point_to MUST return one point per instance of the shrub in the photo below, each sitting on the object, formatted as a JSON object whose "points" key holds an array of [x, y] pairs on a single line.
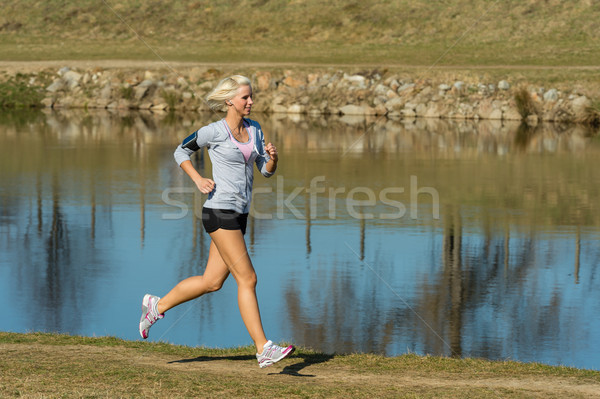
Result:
{"points": [[524, 102], [592, 115], [16, 93], [171, 97]]}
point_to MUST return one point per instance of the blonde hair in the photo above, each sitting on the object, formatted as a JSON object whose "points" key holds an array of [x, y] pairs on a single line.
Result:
{"points": [[225, 90]]}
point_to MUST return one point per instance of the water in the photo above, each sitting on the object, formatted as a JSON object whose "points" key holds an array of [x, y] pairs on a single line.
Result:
{"points": [[472, 239]]}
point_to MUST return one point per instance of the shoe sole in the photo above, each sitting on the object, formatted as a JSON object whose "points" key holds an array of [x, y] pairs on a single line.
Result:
{"points": [[144, 312]]}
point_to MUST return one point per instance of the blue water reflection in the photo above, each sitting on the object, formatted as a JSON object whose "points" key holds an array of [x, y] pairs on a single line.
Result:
{"points": [[508, 271]]}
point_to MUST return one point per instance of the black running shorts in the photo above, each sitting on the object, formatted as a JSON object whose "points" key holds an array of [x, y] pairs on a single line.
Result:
{"points": [[214, 219]]}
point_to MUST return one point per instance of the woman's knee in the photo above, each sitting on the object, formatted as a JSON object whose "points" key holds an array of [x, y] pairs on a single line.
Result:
{"points": [[248, 280], [214, 285]]}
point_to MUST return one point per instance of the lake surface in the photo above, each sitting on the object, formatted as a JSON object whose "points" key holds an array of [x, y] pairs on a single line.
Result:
{"points": [[458, 239]]}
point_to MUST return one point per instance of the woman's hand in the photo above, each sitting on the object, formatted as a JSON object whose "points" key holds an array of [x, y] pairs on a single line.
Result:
{"points": [[272, 151], [205, 185]]}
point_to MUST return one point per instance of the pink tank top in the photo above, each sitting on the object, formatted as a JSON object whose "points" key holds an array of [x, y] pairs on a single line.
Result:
{"points": [[247, 147]]}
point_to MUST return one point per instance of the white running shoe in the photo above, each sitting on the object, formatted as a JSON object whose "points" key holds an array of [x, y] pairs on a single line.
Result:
{"points": [[149, 314], [272, 353]]}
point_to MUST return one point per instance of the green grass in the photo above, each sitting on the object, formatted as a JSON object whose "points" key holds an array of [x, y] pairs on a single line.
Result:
{"points": [[351, 363], [421, 32]]}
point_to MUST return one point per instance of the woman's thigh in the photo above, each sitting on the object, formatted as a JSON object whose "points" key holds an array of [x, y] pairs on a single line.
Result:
{"points": [[216, 271], [232, 249]]}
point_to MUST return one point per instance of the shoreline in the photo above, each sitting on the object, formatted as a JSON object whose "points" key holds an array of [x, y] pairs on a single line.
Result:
{"points": [[44, 364], [305, 89]]}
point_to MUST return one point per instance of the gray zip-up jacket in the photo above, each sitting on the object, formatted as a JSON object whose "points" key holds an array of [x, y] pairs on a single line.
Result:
{"points": [[233, 176]]}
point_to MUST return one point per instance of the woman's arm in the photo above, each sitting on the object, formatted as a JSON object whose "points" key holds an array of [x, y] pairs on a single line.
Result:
{"points": [[204, 184]]}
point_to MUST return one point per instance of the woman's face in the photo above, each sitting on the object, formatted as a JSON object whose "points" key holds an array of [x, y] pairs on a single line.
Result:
{"points": [[242, 102]]}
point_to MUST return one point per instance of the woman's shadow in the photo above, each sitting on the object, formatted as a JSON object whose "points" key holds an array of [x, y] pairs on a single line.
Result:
{"points": [[293, 370]]}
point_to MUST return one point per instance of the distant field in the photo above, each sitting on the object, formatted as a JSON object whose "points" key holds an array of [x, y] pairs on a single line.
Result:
{"points": [[419, 32]]}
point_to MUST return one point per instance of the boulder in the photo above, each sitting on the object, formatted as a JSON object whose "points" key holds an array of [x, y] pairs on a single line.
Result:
{"points": [[57, 85], [551, 95], [580, 106], [279, 109], [503, 85], [296, 109], [512, 114], [351, 109], [293, 83]]}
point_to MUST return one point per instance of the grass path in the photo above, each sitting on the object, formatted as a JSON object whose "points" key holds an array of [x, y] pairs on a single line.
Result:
{"points": [[45, 365]]}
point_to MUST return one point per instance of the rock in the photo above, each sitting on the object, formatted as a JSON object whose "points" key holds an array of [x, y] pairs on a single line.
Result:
{"points": [[63, 70], [47, 102], [279, 109], [206, 86], [408, 113], [395, 104], [503, 85], [433, 111], [496, 114], [532, 120], [459, 86], [443, 87], [551, 95], [72, 79], [512, 114], [407, 87], [381, 110], [351, 109], [194, 75], [139, 92], [580, 107], [381, 90], [57, 85], [358, 80], [181, 82], [485, 108], [264, 82], [106, 92], [293, 83], [146, 83], [426, 92], [296, 109], [159, 107]]}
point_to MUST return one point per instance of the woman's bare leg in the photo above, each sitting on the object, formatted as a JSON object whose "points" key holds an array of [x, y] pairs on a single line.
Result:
{"points": [[232, 249], [214, 276]]}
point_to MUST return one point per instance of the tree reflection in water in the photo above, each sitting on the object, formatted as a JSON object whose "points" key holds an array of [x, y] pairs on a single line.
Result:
{"points": [[482, 281]]}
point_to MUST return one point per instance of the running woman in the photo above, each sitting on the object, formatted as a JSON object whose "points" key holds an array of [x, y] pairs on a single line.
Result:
{"points": [[234, 144]]}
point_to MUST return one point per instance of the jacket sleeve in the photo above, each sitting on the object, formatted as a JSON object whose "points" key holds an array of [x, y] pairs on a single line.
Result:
{"points": [[195, 141], [263, 157]]}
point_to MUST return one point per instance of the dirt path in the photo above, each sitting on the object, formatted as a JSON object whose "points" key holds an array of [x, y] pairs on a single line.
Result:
{"points": [[295, 371], [30, 66]]}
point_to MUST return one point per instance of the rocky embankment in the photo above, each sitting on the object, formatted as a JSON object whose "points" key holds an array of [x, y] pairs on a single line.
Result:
{"points": [[325, 92]]}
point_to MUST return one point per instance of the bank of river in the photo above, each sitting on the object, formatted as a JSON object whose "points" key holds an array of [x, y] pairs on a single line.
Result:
{"points": [[320, 91], [51, 365]]}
